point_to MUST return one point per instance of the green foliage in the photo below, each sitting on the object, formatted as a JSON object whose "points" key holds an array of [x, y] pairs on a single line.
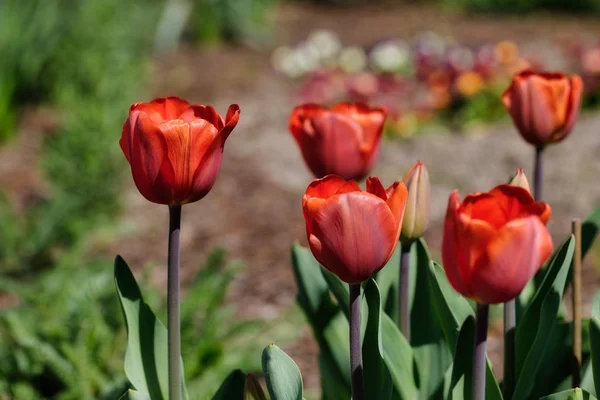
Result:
{"points": [[232, 20], [86, 59], [65, 338]]}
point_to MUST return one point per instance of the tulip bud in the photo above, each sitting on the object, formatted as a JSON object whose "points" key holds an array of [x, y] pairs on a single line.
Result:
{"points": [[252, 389], [520, 180], [416, 213]]}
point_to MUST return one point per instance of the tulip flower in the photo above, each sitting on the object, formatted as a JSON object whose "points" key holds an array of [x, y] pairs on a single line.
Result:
{"points": [[543, 106], [353, 233], [343, 140], [175, 148], [495, 242]]}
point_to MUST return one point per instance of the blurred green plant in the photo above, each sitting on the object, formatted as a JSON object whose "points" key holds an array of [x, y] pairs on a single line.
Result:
{"points": [[64, 338], [232, 20]]}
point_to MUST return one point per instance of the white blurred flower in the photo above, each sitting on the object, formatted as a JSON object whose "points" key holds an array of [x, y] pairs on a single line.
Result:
{"points": [[285, 61], [326, 43], [390, 56], [307, 57], [461, 58], [353, 59]]}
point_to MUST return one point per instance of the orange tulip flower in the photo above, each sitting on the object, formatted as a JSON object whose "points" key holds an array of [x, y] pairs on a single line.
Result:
{"points": [[543, 106], [353, 233], [175, 148], [343, 140], [495, 242]]}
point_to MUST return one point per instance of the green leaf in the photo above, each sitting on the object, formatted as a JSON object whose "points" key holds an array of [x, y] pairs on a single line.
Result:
{"points": [[571, 394], [595, 341], [146, 364], [340, 290], [451, 311], [462, 368], [387, 280], [589, 231], [330, 327], [432, 355], [282, 375], [232, 387], [539, 319], [377, 379], [399, 358], [133, 395]]}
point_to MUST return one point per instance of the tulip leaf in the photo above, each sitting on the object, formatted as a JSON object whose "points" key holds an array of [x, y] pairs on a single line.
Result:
{"points": [[589, 231], [594, 331], [282, 375], [451, 310], [535, 329], [339, 289], [232, 387], [146, 356], [432, 355], [329, 325], [387, 280], [571, 394], [377, 379], [133, 395], [462, 368]]}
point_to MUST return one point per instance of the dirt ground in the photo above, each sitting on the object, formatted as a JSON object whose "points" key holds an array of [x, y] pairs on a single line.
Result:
{"points": [[254, 209]]}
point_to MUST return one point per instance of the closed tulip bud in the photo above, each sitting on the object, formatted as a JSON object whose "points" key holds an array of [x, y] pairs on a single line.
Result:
{"points": [[495, 242], [253, 390], [343, 140], [175, 148], [543, 106], [416, 213], [353, 233], [520, 180]]}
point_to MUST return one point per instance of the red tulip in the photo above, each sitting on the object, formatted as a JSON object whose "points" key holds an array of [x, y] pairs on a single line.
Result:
{"points": [[343, 140], [495, 242], [175, 148], [353, 233], [543, 106]]}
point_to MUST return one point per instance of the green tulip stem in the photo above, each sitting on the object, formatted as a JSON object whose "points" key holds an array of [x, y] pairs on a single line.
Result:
{"points": [[404, 285], [479, 359], [538, 174], [510, 322], [174, 334], [356, 367]]}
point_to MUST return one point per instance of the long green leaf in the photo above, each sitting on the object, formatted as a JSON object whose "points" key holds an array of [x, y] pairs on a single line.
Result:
{"points": [[539, 320], [387, 280], [432, 354], [377, 379], [133, 395], [323, 315], [282, 375], [462, 368], [595, 341], [589, 231], [146, 364], [451, 311]]}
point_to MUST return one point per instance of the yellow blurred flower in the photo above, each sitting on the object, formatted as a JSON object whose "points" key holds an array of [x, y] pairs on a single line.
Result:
{"points": [[506, 52], [469, 83]]}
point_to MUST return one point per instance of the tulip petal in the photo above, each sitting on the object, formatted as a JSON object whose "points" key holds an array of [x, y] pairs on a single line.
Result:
{"points": [[300, 114], [163, 108], [320, 190], [206, 113], [352, 234], [231, 120], [450, 247], [337, 146], [371, 120], [146, 151], [375, 187], [397, 197], [511, 259], [575, 96]]}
